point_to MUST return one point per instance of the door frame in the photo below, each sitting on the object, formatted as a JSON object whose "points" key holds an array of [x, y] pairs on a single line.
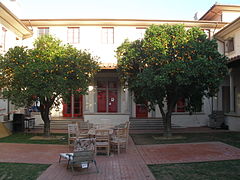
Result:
{"points": [[105, 86], [72, 112]]}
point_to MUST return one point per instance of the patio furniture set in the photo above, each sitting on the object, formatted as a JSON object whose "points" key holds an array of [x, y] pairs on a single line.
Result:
{"points": [[87, 140]]}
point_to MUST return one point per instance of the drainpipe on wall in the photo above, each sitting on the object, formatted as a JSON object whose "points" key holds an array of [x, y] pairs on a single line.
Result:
{"points": [[223, 43]]}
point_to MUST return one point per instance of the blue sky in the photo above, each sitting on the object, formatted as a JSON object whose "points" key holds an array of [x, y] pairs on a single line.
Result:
{"points": [[126, 9]]}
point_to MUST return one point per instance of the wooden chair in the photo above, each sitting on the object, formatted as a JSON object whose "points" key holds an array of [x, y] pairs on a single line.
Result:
{"points": [[120, 140], [102, 141], [83, 154], [83, 128], [72, 133], [127, 126]]}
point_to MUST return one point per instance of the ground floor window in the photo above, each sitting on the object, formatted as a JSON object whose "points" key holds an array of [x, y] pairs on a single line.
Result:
{"points": [[107, 96], [226, 98], [182, 104]]}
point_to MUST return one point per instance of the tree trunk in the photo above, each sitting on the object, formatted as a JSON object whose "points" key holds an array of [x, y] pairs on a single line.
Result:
{"points": [[46, 129], [167, 127], [45, 117], [166, 122], [167, 116]]}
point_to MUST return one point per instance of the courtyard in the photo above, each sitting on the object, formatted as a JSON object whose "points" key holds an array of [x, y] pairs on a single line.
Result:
{"points": [[155, 158]]}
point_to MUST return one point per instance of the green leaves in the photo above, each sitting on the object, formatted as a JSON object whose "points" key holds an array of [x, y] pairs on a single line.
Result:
{"points": [[48, 70], [171, 63]]}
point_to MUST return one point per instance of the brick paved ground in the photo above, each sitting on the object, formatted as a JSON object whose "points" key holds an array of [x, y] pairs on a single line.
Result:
{"points": [[190, 152], [126, 166], [31, 153]]}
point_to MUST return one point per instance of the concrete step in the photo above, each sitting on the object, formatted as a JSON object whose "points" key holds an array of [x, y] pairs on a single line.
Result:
{"points": [[147, 124], [60, 124]]}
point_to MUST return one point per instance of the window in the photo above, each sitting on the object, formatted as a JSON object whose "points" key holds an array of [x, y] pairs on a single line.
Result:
{"points": [[140, 32], [3, 39], [181, 106], [226, 99], [43, 31], [229, 45], [73, 36], [107, 96], [107, 35]]}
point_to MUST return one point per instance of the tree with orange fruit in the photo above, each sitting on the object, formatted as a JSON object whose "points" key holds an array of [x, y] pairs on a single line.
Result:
{"points": [[171, 63], [48, 72]]}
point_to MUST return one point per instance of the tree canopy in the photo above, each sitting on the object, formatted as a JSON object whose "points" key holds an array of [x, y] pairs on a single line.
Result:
{"points": [[49, 71], [169, 63]]}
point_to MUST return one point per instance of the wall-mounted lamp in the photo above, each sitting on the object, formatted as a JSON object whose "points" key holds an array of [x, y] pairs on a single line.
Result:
{"points": [[90, 88]]}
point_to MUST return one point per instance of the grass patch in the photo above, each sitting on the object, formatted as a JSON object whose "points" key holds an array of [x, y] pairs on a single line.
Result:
{"points": [[220, 170], [26, 139], [231, 138], [19, 171]]}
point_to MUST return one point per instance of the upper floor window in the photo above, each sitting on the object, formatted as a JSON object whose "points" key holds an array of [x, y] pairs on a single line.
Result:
{"points": [[229, 45], [43, 31], [73, 36], [107, 35], [3, 39], [140, 32]]}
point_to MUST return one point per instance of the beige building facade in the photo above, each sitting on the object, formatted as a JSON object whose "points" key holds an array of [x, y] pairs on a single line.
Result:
{"points": [[107, 99]]}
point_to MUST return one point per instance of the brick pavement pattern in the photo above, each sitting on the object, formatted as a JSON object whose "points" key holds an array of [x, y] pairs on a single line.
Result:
{"points": [[131, 165], [31, 153], [126, 166], [187, 152]]}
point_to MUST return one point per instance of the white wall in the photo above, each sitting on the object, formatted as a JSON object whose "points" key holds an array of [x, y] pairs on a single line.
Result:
{"points": [[90, 39], [236, 36], [228, 16], [233, 122], [11, 39], [114, 119]]}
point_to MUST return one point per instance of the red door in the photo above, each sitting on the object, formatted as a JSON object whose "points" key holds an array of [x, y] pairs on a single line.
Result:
{"points": [[107, 96], [102, 101], [141, 111], [112, 101], [73, 106], [181, 105]]}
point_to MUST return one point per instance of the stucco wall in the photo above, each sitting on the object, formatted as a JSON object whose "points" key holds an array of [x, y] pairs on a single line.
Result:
{"points": [[233, 122], [228, 16], [90, 39], [114, 119], [236, 36], [194, 120]]}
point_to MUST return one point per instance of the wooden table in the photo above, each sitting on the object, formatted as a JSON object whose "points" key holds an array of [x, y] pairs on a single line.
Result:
{"points": [[92, 131]]}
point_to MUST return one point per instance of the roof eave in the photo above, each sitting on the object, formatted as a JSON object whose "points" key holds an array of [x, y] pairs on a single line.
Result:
{"points": [[9, 20], [227, 29]]}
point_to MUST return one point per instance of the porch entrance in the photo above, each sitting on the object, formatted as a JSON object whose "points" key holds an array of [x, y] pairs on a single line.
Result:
{"points": [[107, 96], [73, 108], [141, 110]]}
